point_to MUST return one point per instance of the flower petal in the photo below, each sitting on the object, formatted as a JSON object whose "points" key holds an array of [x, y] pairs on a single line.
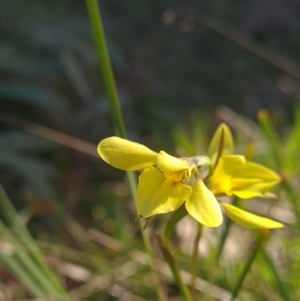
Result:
{"points": [[234, 175], [254, 170], [169, 164], [251, 179], [203, 206], [221, 179], [249, 220], [216, 140], [156, 194], [124, 154]]}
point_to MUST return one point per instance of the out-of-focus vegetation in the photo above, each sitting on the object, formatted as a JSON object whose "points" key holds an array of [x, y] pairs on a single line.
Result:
{"points": [[175, 62]]}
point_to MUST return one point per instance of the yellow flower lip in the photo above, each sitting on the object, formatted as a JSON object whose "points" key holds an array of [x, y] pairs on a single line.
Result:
{"points": [[203, 206], [157, 195]]}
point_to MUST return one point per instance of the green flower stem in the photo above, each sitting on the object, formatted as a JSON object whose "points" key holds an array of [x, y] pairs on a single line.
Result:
{"points": [[177, 215], [259, 243], [224, 235], [106, 68], [175, 271], [113, 99], [195, 257]]}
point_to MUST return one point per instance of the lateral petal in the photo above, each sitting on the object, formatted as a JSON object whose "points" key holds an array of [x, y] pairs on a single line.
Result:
{"points": [[157, 195], [249, 220], [203, 206], [250, 170], [126, 155]]}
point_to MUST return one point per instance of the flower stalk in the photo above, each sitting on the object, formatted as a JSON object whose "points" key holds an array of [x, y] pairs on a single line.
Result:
{"points": [[195, 257], [186, 294]]}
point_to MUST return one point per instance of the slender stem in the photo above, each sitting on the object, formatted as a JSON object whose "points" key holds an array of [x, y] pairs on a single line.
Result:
{"points": [[115, 109], [178, 214], [224, 236], [259, 243], [195, 257], [175, 271], [106, 68]]}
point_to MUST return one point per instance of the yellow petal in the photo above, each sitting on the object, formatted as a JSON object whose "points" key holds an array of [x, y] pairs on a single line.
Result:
{"points": [[124, 154], [156, 194], [221, 179], [216, 140], [203, 206], [250, 220], [252, 180], [250, 170], [234, 175], [174, 169], [170, 164]]}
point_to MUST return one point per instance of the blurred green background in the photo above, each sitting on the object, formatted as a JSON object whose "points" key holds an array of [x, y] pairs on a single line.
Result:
{"points": [[181, 68]]}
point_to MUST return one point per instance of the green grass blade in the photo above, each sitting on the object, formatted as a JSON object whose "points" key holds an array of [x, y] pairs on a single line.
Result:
{"points": [[16, 268], [109, 81], [28, 263], [10, 217], [106, 68]]}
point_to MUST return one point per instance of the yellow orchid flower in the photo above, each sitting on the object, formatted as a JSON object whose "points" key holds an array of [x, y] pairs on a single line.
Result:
{"points": [[166, 182], [234, 175]]}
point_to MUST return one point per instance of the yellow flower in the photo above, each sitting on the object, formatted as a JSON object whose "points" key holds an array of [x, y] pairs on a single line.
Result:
{"points": [[234, 175], [166, 182]]}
